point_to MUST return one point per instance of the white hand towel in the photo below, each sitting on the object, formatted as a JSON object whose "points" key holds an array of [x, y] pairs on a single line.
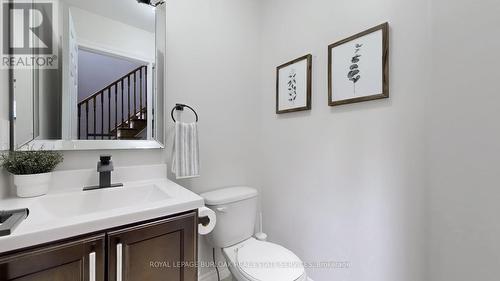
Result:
{"points": [[185, 158]]}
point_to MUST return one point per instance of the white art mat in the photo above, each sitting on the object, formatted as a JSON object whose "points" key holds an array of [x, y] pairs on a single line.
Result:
{"points": [[357, 67], [293, 75]]}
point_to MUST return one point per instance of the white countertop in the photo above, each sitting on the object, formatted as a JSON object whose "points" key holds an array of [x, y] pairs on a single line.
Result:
{"points": [[54, 217]]}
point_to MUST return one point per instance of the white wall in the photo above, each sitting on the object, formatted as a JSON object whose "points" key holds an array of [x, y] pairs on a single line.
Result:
{"points": [[97, 71], [464, 142], [346, 183], [211, 65], [96, 31], [212, 62]]}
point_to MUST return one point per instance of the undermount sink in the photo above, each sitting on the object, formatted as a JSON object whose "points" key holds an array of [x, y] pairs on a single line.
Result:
{"points": [[88, 202]]}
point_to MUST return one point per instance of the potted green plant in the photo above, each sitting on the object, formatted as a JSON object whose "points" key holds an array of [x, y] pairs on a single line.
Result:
{"points": [[31, 170]]}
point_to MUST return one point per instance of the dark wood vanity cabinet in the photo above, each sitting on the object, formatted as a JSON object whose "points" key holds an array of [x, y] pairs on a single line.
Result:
{"points": [[161, 250], [157, 251], [78, 260]]}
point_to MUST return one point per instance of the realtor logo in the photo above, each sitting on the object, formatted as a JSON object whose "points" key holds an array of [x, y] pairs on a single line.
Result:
{"points": [[29, 37]]}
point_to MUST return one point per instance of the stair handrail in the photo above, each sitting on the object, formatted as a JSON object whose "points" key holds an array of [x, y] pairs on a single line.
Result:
{"points": [[111, 85]]}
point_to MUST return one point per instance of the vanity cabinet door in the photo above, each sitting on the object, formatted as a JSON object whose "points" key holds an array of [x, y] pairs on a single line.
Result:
{"points": [[72, 261], [163, 250]]}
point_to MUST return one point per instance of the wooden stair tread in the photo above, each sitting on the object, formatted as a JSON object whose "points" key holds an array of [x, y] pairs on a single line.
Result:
{"points": [[139, 124], [126, 133]]}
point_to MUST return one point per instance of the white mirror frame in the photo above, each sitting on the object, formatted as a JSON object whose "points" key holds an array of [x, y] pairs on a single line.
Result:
{"points": [[66, 145]]}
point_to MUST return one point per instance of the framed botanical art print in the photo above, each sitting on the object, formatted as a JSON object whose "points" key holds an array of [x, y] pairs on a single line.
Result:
{"points": [[358, 67], [293, 85]]}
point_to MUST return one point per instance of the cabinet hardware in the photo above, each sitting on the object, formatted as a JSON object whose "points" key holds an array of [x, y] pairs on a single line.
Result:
{"points": [[92, 267], [119, 261]]}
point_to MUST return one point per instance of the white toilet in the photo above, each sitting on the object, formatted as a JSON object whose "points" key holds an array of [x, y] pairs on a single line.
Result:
{"points": [[249, 259]]}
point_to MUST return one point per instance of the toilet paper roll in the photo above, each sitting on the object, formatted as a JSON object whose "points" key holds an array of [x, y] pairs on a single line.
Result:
{"points": [[206, 229]]}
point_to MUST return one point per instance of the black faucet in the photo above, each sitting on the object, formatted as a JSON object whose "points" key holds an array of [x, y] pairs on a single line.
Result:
{"points": [[104, 168]]}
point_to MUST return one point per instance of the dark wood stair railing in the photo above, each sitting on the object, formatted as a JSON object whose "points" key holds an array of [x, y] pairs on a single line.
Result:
{"points": [[124, 89]]}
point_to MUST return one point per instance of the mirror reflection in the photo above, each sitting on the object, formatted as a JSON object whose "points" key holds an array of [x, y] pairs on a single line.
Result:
{"points": [[108, 82]]}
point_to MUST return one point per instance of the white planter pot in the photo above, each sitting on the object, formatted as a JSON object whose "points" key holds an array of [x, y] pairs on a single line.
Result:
{"points": [[32, 185]]}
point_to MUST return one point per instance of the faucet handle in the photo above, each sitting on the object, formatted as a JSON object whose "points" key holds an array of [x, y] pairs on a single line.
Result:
{"points": [[105, 159]]}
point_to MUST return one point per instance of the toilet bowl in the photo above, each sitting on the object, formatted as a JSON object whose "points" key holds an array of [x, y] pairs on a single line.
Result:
{"points": [[248, 258], [253, 260]]}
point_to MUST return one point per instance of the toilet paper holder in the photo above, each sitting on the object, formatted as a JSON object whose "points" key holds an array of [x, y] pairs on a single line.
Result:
{"points": [[204, 220]]}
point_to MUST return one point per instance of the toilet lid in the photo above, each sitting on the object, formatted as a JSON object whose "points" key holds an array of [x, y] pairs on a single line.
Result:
{"points": [[264, 261]]}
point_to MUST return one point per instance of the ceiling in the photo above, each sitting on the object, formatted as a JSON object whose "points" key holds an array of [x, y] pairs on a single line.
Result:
{"points": [[126, 11]]}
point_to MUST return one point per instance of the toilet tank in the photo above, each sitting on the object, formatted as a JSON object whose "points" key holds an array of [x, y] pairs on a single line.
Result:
{"points": [[236, 209]]}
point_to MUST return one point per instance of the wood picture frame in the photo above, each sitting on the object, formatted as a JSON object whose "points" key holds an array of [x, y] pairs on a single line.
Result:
{"points": [[294, 89], [376, 85]]}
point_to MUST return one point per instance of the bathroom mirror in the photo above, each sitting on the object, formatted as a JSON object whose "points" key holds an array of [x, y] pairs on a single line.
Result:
{"points": [[106, 89]]}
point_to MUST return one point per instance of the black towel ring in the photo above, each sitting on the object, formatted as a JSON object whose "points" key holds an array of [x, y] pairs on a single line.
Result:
{"points": [[181, 107]]}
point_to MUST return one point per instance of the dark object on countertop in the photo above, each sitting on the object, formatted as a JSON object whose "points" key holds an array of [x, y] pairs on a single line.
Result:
{"points": [[9, 220], [104, 168]]}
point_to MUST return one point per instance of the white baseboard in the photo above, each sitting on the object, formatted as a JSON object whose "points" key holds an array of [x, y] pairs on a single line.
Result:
{"points": [[212, 275]]}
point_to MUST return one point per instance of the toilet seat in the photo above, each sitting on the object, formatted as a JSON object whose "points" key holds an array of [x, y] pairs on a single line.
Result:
{"points": [[264, 261]]}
